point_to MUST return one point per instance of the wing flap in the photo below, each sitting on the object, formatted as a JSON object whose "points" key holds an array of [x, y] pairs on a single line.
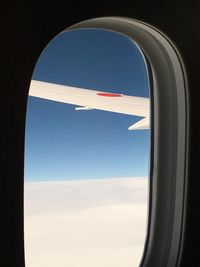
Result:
{"points": [[140, 125]]}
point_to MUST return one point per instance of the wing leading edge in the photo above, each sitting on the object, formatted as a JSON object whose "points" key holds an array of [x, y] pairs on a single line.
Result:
{"points": [[89, 99]]}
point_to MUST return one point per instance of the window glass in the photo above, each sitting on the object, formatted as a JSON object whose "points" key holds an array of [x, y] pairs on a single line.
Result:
{"points": [[87, 168]]}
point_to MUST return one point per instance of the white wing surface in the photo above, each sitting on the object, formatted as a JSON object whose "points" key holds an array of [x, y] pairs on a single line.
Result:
{"points": [[89, 99]]}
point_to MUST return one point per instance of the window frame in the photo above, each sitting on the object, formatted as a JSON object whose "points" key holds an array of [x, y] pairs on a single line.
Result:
{"points": [[169, 138]]}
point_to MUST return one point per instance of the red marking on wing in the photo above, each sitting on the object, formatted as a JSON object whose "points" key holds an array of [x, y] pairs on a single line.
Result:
{"points": [[109, 94]]}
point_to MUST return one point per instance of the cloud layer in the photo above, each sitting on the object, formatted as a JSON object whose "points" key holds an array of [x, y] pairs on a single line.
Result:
{"points": [[85, 223]]}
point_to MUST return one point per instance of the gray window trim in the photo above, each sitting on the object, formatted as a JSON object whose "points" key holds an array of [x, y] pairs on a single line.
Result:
{"points": [[169, 146]]}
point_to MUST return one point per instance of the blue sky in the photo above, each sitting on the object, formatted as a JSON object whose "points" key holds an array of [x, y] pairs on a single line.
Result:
{"points": [[62, 143]]}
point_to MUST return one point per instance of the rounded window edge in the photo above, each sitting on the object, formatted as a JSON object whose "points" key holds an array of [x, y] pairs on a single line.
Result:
{"points": [[169, 146]]}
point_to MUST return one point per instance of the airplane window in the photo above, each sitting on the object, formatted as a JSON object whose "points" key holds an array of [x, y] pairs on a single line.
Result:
{"points": [[87, 152]]}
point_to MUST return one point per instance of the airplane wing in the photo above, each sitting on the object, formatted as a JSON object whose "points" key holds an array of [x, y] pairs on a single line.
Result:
{"points": [[87, 99]]}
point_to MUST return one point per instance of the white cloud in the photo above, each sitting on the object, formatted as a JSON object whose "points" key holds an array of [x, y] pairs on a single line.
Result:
{"points": [[93, 223]]}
